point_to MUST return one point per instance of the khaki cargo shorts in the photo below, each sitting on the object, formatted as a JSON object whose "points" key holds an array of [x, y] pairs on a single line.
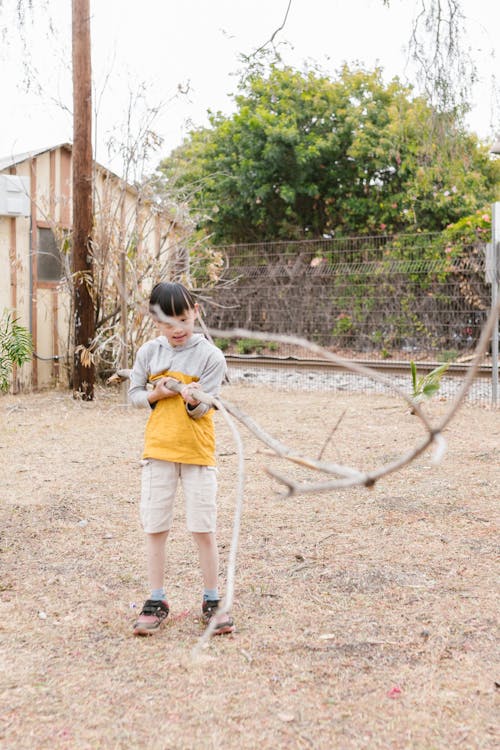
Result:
{"points": [[159, 484]]}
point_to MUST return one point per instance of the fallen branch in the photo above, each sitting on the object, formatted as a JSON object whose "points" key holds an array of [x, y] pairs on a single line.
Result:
{"points": [[346, 476]]}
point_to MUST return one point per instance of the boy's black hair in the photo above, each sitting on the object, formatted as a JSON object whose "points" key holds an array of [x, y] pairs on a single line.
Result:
{"points": [[172, 297]]}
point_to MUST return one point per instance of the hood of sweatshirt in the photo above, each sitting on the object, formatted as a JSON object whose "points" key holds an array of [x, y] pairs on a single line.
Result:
{"points": [[194, 340]]}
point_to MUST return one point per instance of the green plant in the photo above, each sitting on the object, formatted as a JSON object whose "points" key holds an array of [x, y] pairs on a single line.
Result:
{"points": [[16, 347], [427, 385], [249, 346], [467, 231], [449, 355], [222, 344], [343, 327]]}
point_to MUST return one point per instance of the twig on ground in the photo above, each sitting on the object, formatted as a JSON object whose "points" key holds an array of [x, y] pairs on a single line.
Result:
{"points": [[332, 432]]}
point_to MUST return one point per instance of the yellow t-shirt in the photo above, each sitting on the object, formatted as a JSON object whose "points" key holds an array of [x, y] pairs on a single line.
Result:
{"points": [[172, 435]]}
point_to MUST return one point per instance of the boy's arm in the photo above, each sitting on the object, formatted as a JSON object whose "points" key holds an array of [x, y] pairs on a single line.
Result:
{"points": [[210, 381], [137, 392]]}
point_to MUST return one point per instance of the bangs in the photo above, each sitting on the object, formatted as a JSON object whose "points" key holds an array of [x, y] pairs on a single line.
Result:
{"points": [[173, 298]]}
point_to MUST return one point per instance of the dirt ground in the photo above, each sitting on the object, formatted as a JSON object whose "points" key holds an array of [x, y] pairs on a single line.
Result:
{"points": [[365, 618]]}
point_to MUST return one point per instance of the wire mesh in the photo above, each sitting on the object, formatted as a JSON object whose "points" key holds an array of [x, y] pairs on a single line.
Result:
{"points": [[400, 297]]}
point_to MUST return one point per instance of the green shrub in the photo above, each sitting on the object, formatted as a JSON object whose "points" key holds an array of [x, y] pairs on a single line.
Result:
{"points": [[16, 347], [448, 355], [343, 328], [249, 346], [222, 344]]}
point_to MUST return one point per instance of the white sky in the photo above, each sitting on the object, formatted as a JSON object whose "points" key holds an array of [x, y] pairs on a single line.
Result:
{"points": [[163, 44]]}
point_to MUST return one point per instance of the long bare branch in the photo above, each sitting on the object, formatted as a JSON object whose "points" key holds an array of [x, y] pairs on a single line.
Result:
{"points": [[479, 353], [283, 451], [275, 32], [227, 601], [345, 476], [331, 357]]}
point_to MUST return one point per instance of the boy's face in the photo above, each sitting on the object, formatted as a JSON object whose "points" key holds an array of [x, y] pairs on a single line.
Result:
{"points": [[180, 332]]}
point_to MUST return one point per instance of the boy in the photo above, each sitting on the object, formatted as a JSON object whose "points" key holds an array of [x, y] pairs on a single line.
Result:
{"points": [[179, 444]]}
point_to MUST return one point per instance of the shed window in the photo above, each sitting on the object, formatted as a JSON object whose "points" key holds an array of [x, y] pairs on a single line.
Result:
{"points": [[48, 256]]}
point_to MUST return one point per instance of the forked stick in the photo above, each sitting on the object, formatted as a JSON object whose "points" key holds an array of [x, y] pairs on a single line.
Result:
{"points": [[348, 476]]}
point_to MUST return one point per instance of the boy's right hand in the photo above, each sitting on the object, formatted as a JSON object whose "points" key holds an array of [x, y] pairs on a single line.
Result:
{"points": [[160, 391]]}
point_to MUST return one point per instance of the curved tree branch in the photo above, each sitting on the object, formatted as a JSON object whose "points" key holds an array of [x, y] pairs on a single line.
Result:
{"points": [[345, 476]]}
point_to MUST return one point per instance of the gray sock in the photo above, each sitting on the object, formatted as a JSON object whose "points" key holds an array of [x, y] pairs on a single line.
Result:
{"points": [[211, 595], [158, 594]]}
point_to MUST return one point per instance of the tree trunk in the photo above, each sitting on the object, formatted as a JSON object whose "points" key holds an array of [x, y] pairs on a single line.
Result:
{"points": [[84, 369]]}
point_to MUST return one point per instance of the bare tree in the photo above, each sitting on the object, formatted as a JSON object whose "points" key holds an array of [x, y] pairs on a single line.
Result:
{"points": [[445, 67], [437, 44]]}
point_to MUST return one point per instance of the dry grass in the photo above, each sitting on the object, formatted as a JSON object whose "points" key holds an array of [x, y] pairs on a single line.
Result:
{"points": [[366, 619]]}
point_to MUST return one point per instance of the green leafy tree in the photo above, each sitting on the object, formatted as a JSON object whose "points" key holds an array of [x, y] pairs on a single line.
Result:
{"points": [[305, 156], [16, 347]]}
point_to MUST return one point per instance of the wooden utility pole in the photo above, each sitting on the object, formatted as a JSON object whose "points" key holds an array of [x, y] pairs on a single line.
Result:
{"points": [[82, 265], [122, 244]]}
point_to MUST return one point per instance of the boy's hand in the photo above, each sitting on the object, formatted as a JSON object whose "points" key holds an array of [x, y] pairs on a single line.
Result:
{"points": [[160, 391], [187, 395]]}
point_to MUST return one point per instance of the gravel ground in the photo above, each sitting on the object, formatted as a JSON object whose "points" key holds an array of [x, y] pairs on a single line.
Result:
{"points": [[480, 392]]}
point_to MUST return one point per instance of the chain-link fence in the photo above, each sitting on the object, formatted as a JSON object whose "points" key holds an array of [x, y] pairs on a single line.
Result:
{"points": [[374, 295], [405, 297]]}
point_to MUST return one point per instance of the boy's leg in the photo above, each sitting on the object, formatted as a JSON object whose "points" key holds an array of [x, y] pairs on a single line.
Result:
{"points": [[155, 609], [199, 484], [159, 482], [209, 564], [158, 489], [155, 554], [209, 558]]}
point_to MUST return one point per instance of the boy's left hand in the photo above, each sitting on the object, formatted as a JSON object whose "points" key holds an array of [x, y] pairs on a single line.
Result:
{"points": [[187, 395]]}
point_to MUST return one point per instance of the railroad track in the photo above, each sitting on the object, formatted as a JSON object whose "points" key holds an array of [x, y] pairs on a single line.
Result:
{"points": [[390, 367]]}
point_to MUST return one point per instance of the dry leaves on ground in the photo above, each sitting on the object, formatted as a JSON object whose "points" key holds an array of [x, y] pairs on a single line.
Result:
{"points": [[365, 618]]}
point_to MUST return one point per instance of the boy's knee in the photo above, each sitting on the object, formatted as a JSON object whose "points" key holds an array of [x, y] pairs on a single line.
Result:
{"points": [[153, 535], [206, 538]]}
